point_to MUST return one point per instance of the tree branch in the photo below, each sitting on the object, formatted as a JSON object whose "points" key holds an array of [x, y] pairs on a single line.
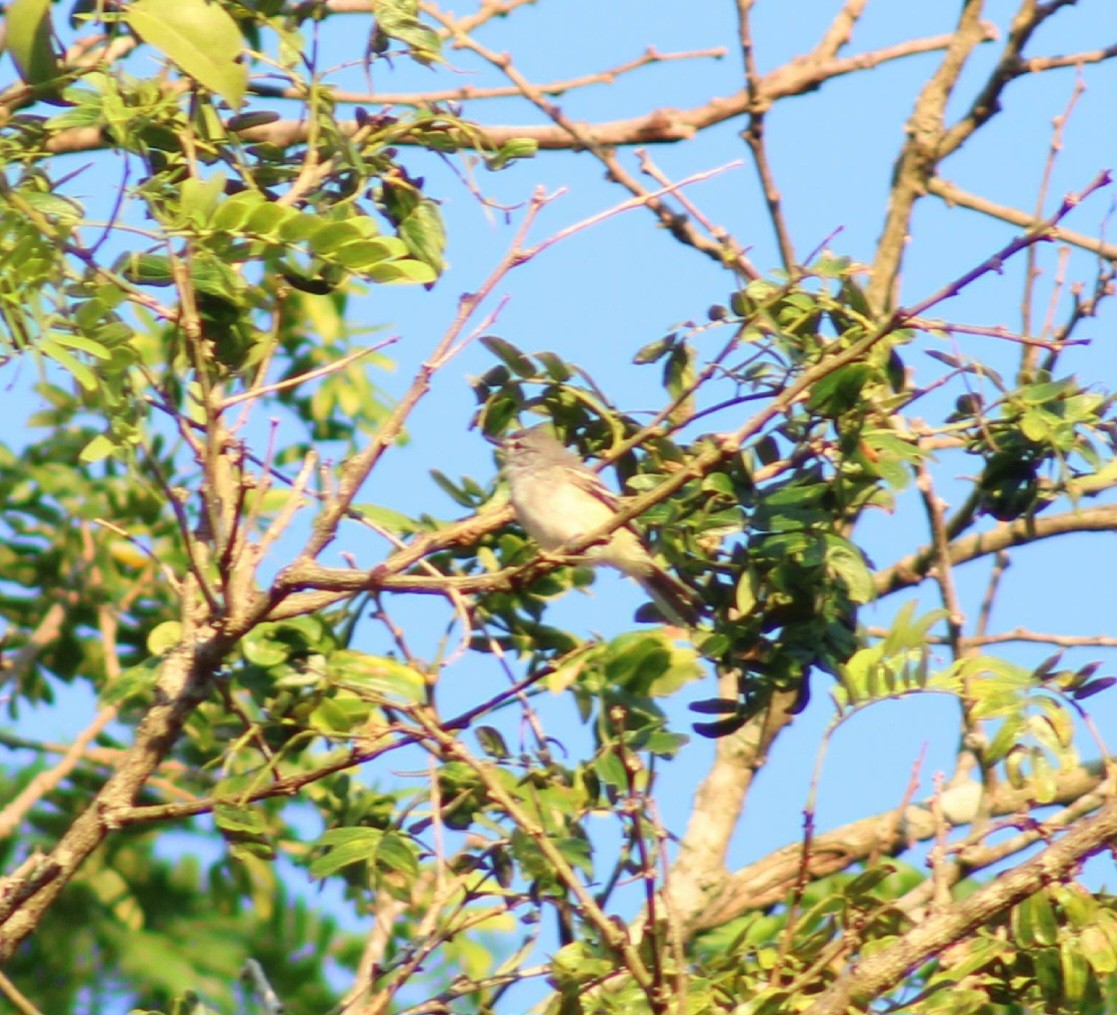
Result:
{"points": [[953, 194], [912, 569], [182, 686], [919, 154], [871, 976], [768, 881]]}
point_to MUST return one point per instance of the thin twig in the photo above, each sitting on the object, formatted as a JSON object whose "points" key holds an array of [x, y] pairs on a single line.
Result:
{"points": [[471, 93], [943, 572], [1031, 270], [953, 194], [45, 782]]}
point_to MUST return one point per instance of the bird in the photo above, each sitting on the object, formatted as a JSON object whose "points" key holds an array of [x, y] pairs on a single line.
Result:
{"points": [[558, 498]]}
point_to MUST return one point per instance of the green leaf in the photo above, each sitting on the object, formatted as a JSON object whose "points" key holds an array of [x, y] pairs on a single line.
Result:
{"points": [[232, 214], [145, 269], [164, 637], [81, 344], [1099, 950], [342, 715], [847, 563], [263, 651], [63, 210], [100, 447], [200, 38], [840, 391], [654, 350], [333, 235], [53, 349], [451, 489], [388, 851], [378, 674], [414, 272], [362, 254], [611, 770], [425, 234], [516, 148], [509, 355], [386, 518], [395, 855], [346, 846], [197, 198], [299, 227], [719, 482], [492, 743], [267, 220], [1076, 971], [29, 32], [397, 19], [1005, 739], [1035, 920], [231, 818], [555, 367]]}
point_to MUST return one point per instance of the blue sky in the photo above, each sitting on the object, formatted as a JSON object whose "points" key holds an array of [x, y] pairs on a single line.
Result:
{"points": [[603, 293], [600, 295]]}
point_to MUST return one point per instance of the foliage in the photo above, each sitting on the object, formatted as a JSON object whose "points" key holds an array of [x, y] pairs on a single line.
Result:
{"points": [[255, 721]]}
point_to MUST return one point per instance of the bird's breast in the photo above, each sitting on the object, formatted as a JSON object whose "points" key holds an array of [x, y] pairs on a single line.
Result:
{"points": [[555, 513]]}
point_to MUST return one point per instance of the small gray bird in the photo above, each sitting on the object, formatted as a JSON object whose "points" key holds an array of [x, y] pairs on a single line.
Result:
{"points": [[558, 499]]}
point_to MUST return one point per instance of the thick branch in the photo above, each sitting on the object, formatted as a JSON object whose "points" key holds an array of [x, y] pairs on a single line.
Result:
{"points": [[659, 126], [872, 976], [697, 878], [911, 570], [919, 154], [769, 880], [182, 685]]}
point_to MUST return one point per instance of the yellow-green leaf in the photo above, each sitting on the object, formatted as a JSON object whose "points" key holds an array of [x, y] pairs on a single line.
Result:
{"points": [[164, 637], [28, 23], [200, 38]]}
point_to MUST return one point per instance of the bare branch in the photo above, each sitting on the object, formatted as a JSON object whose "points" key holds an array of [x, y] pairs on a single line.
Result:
{"points": [[913, 569], [768, 881], [46, 781], [920, 154], [1037, 64], [954, 194], [874, 974], [469, 93]]}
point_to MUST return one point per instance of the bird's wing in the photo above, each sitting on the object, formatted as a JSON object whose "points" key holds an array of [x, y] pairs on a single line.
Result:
{"points": [[591, 483]]}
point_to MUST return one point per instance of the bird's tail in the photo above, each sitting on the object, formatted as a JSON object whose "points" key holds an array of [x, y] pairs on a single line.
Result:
{"points": [[679, 603]]}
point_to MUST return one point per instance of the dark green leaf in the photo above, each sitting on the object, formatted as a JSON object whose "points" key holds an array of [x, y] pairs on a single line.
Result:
{"points": [[231, 818], [145, 269], [714, 706], [508, 354], [721, 728], [246, 121], [492, 743]]}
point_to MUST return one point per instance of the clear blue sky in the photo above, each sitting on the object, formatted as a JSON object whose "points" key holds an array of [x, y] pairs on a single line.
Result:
{"points": [[600, 295]]}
